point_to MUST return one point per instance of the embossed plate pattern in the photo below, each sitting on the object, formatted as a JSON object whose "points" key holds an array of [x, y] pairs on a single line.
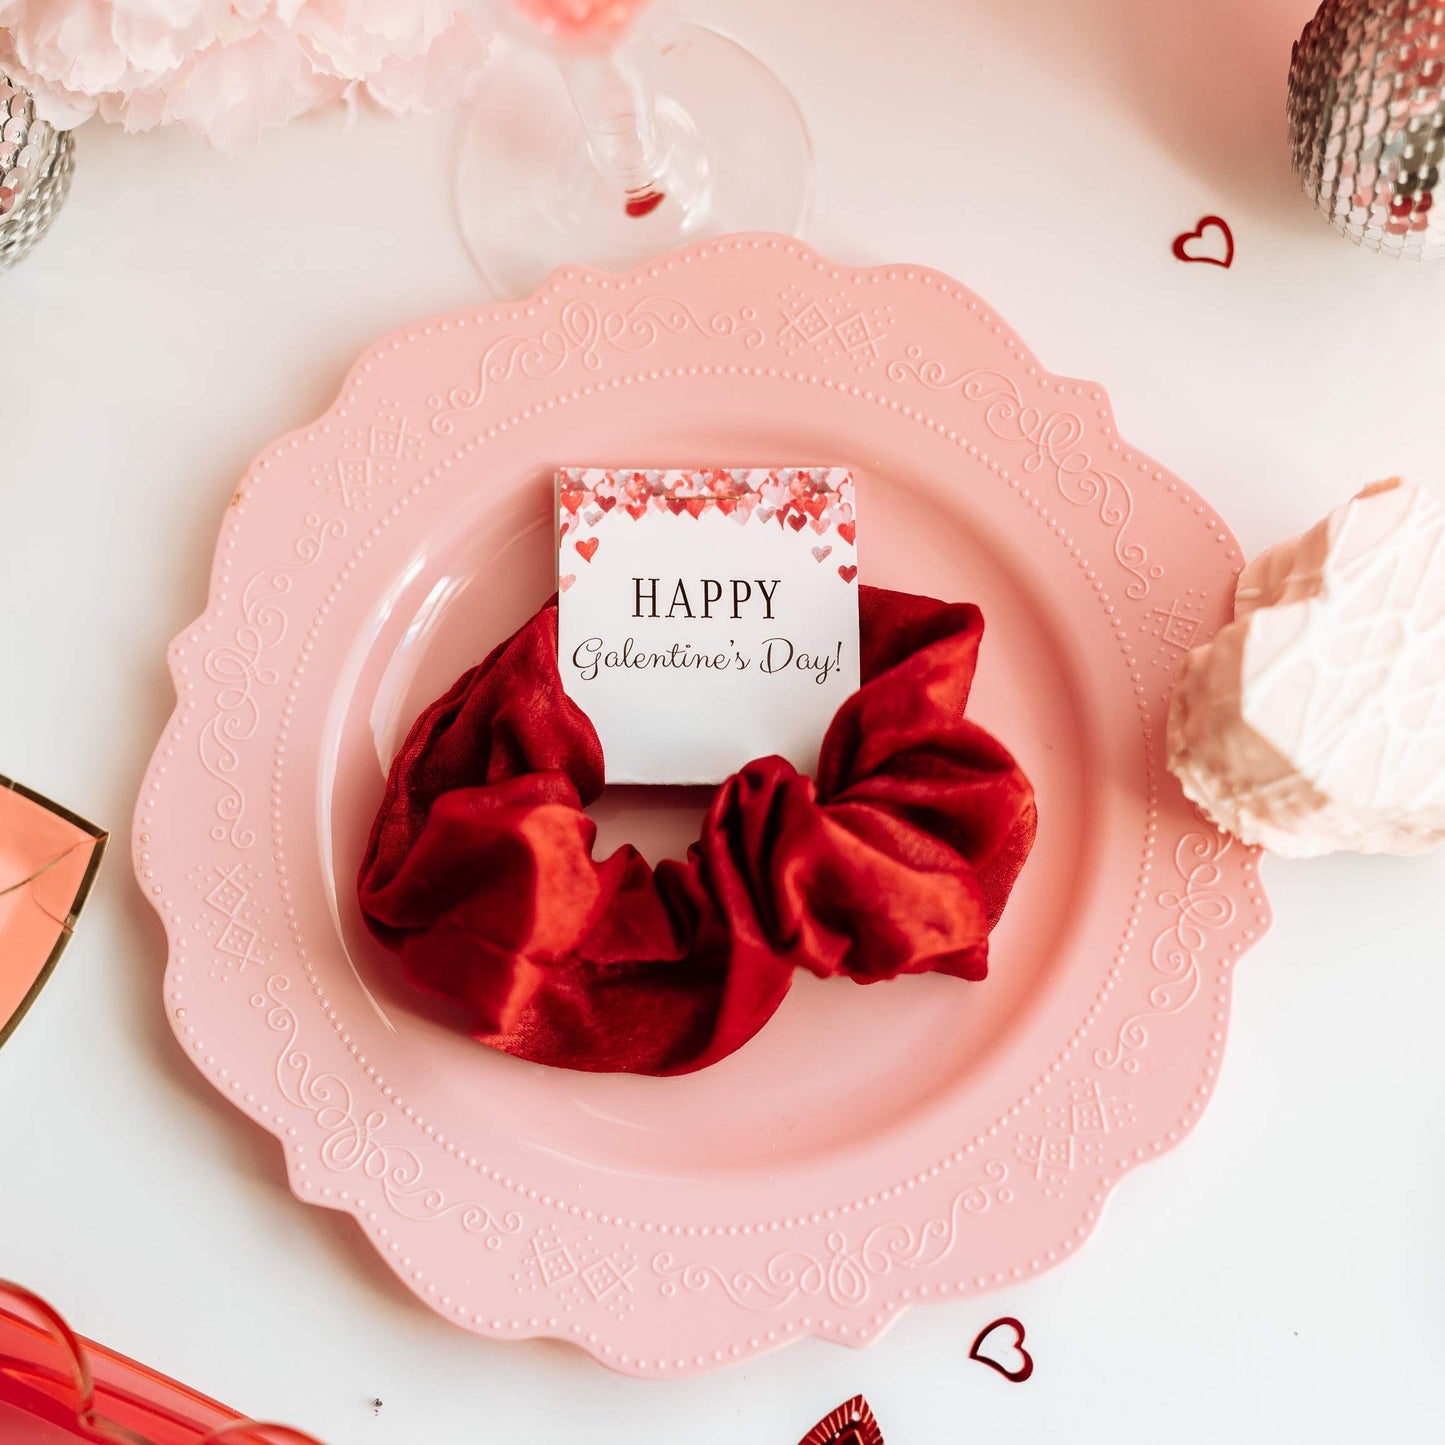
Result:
{"points": [[872, 1148]]}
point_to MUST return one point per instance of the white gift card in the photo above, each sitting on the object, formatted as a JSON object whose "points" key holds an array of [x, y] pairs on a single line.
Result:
{"points": [[707, 618]]}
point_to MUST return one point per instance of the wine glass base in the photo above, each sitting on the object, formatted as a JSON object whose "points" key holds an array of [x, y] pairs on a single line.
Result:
{"points": [[735, 157]]}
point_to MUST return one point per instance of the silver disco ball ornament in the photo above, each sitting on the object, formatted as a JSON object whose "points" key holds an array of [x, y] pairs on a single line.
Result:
{"points": [[1367, 121], [36, 162]]}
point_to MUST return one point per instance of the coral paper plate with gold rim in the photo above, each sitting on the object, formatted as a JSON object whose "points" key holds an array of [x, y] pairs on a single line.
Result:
{"points": [[871, 1148]]}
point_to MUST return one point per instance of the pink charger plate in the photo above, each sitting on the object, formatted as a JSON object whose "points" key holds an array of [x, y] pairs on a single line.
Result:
{"points": [[871, 1148]]}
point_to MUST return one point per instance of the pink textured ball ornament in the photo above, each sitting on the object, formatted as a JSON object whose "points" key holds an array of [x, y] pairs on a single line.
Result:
{"points": [[1367, 121]]}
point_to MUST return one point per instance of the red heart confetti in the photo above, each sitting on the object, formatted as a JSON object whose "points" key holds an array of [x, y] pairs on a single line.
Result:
{"points": [[1206, 223], [848, 531], [587, 548], [797, 520], [976, 1350], [572, 499], [848, 573], [852, 1423], [607, 503]]}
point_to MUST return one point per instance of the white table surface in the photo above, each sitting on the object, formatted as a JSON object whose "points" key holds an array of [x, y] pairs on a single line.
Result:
{"points": [[1281, 1275]]}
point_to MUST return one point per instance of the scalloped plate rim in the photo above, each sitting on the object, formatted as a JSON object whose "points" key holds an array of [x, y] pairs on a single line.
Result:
{"points": [[1085, 1217]]}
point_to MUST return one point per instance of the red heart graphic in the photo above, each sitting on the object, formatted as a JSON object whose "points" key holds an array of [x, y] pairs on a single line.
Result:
{"points": [[696, 505], [573, 498], [675, 505], [726, 504], [607, 503], [587, 549], [814, 505], [1206, 223], [975, 1352], [636, 509], [848, 573], [852, 1423], [797, 520], [848, 531]]}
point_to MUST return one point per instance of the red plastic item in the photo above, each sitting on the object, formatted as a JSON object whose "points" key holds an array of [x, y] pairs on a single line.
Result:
{"points": [[56, 1387], [852, 1423]]}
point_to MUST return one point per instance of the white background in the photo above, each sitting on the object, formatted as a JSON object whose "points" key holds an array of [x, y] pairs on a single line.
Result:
{"points": [[1281, 1276]]}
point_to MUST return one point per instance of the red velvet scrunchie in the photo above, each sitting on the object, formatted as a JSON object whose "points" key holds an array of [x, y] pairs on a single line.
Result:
{"points": [[897, 860]]}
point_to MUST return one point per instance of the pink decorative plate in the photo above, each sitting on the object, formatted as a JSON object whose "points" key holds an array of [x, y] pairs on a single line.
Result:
{"points": [[872, 1148]]}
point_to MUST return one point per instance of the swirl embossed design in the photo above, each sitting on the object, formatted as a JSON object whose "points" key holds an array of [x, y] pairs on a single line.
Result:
{"points": [[1201, 907], [1054, 439], [352, 1140], [237, 670], [842, 1272], [582, 330]]}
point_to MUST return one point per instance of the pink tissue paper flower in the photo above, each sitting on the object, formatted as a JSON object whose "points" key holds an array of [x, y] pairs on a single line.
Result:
{"points": [[228, 69]]}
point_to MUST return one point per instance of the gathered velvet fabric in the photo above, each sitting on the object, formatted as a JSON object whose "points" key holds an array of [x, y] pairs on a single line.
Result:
{"points": [[897, 859]]}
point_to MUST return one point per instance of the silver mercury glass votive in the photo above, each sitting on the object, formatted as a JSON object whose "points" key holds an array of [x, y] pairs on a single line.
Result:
{"points": [[36, 162], [1367, 121]]}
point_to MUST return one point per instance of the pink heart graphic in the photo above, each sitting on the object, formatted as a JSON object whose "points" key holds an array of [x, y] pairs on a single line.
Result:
{"points": [[565, 582], [821, 552]]}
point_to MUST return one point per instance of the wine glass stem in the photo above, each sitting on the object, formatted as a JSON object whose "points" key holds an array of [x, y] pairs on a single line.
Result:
{"points": [[618, 116]]}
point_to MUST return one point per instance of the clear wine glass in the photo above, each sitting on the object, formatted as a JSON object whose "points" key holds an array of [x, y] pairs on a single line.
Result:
{"points": [[603, 136]]}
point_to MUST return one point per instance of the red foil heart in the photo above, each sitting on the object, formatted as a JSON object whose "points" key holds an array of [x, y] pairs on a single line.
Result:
{"points": [[976, 1350], [1206, 223], [852, 1423]]}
